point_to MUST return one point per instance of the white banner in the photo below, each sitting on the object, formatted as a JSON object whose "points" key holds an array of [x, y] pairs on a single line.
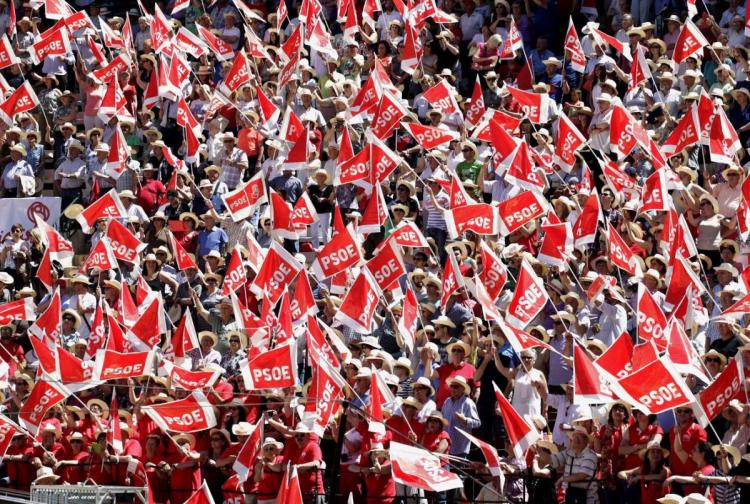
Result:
{"points": [[22, 210]]}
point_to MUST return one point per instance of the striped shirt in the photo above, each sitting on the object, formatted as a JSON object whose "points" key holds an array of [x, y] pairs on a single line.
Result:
{"points": [[568, 462]]}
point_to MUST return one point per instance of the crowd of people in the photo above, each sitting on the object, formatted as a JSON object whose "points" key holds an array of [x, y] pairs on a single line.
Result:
{"points": [[387, 189]]}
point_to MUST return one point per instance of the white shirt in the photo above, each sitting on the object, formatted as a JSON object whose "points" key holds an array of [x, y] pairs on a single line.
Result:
{"points": [[71, 166]]}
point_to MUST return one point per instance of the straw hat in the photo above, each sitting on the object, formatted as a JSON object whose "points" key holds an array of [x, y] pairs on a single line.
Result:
{"points": [[242, 429], [653, 445], [102, 407], [564, 316], [214, 338], [404, 363], [714, 354], [547, 445], [731, 451], [437, 415], [185, 437], [459, 344], [423, 381], [74, 314], [19, 148], [44, 475], [461, 381]]}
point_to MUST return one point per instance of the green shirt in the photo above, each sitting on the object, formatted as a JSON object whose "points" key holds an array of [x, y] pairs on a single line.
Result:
{"points": [[469, 170]]}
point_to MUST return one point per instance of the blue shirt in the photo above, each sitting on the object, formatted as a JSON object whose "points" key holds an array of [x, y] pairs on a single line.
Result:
{"points": [[537, 58], [215, 239], [460, 443]]}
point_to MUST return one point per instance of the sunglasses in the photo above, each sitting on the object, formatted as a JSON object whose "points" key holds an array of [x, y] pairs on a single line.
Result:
{"points": [[465, 150], [457, 350], [234, 340], [713, 359], [705, 203], [683, 411]]}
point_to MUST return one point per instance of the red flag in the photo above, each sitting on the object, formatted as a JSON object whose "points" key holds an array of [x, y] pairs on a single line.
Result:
{"points": [[590, 386], [221, 49], [685, 134], [600, 37], [340, 253], [639, 70], [7, 54], [534, 105], [147, 330], [244, 464], [689, 42], [730, 384], [275, 368], [407, 234], [652, 323], [621, 254], [529, 298], [23, 99], [440, 97], [108, 206], [452, 279], [476, 108], [192, 414], [418, 468], [573, 46], [387, 266], [238, 74], [429, 137], [557, 246], [114, 436], [519, 210], [8, 430], [654, 388], [42, 398], [277, 271], [235, 275], [625, 132], [112, 365], [358, 307], [481, 219], [160, 30], [568, 141], [185, 337], [494, 275], [616, 360], [125, 246], [520, 434], [522, 171], [48, 326], [101, 258], [190, 380], [682, 278], [681, 352], [584, 230]]}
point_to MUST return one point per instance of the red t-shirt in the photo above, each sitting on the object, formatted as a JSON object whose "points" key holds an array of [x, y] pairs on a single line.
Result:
{"points": [[250, 140], [400, 429], [450, 371], [268, 487], [381, 488], [232, 489], [150, 194], [20, 474], [309, 480], [636, 436], [156, 481], [185, 481], [431, 440], [75, 473], [689, 437]]}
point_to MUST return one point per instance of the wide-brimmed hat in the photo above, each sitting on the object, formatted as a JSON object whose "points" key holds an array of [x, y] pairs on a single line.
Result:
{"points": [[74, 314], [212, 335], [731, 451], [44, 475], [437, 415], [423, 381], [185, 437], [727, 268], [653, 445], [371, 341], [459, 344], [102, 407], [242, 429], [460, 380], [716, 355], [269, 441], [564, 316], [444, 321]]}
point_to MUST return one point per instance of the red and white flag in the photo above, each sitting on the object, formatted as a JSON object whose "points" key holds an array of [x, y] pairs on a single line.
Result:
{"points": [[681, 352], [587, 224], [407, 234], [489, 452], [429, 137], [23, 99], [407, 324], [521, 435], [418, 468], [192, 414], [221, 49], [8, 430], [476, 108], [101, 258], [689, 42], [494, 275], [7, 54], [481, 219], [441, 97], [190, 380], [520, 210], [621, 254], [201, 496], [452, 279], [276, 273], [568, 141], [342, 252], [685, 134], [534, 105], [241, 202], [654, 388], [247, 457], [589, 385], [730, 384], [358, 307], [275, 368], [557, 246], [387, 266], [235, 275], [529, 297], [652, 323], [682, 278], [44, 396], [639, 70], [111, 365], [575, 49], [601, 38], [108, 206], [21, 309], [616, 360], [125, 246]]}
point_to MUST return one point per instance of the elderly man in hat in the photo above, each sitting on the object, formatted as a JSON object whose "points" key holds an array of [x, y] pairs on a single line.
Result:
{"points": [[728, 193], [232, 160], [15, 170], [461, 412], [70, 175], [151, 190], [576, 466]]}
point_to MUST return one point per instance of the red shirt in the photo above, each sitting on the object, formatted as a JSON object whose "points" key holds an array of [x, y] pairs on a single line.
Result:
{"points": [[381, 488], [185, 481], [636, 436], [75, 473], [250, 140], [689, 437], [156, 481], [268, 487], [20, 474], [400, 429], [450, 371], [133, 448], [431, 440], [309, 480], [232, 489], [151, 192]]}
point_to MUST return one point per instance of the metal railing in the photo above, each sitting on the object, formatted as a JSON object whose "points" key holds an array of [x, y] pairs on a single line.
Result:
{"points": [[81, 494]]}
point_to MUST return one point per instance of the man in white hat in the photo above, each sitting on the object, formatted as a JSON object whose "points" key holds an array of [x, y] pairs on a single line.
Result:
{"points": [[132, 209], [461, 413], [13, 171], [95, 164], [232, 160], [70, 175], [576, 466]]}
